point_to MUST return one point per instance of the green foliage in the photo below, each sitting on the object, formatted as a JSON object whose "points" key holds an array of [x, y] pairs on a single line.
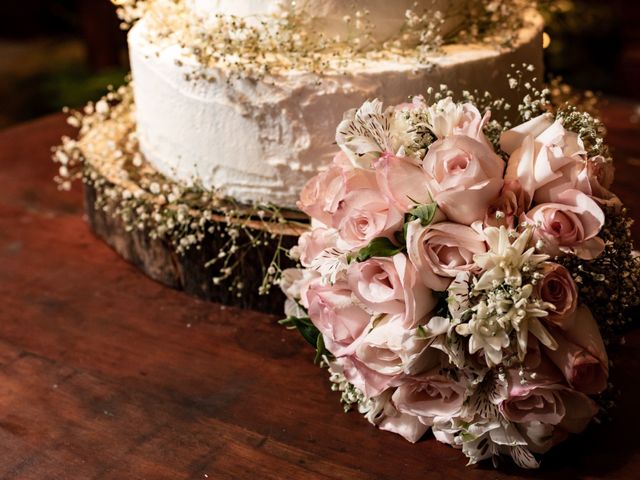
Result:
{"points": [[425, 213], [309, 332], [379, 247]]}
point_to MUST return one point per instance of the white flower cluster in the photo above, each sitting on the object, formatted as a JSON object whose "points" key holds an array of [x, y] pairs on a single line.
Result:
{"points": [[503, 298]]}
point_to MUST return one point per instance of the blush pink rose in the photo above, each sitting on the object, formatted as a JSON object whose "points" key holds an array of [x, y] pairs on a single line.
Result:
{"points": [[546, 159], [340, 320], [390, 285], [295, 283], [430, 396], [448, 118], [322, 194], [471, 123], [407, 426], [312, 244], [508, 207], [392, 349], [365, 379], [601, 173], [570, 226], [545, 409], [365, 214], [465, 177], [581, 354], [558, 288], [440, 251], [402, 181]]}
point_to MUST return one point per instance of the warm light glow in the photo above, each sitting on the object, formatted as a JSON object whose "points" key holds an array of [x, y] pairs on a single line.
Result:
{"points": [[546, 40]]}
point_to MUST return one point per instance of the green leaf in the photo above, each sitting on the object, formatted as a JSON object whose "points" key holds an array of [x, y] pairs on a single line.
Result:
{"points": [[320, 349], [309, 332], [306, 328], [422, 333], [379, 247], [425, 213]]}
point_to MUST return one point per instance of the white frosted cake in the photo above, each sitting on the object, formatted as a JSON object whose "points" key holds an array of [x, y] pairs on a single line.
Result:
{"points": [[255, 123]]}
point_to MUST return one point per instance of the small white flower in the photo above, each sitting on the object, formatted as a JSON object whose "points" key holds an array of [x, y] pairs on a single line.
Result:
{"points": [[504, 260], [502, 308]]}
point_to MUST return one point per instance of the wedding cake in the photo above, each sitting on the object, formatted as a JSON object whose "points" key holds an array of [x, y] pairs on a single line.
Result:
{"points": [[242, 97]]}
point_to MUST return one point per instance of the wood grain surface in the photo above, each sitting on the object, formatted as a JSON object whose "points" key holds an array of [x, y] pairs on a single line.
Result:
{"points": [[106, 374]]}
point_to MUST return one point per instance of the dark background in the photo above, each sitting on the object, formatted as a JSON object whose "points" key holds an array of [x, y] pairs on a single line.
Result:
{"points": [[65, 52]]}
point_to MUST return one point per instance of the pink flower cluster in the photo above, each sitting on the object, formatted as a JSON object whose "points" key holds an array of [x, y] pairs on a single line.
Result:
{"points": [[430, 273]]}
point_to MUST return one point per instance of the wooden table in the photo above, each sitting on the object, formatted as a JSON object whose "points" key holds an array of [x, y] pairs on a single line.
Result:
{"points": [[105, 374]]}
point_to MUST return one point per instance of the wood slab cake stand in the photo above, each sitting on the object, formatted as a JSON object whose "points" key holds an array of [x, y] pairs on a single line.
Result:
{"points": [[189, 271]]}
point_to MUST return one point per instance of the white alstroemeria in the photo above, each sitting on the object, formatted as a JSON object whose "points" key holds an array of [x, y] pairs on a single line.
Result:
{"points": [[490, 438], [331, 264], [373, 408], [458, 299], [368, 132], [444, 116]]}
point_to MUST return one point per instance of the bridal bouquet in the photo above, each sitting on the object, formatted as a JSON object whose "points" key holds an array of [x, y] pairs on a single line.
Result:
{"points": [[459, 278]]}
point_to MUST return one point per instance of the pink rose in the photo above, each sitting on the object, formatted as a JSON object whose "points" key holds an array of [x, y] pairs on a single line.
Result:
{"points": [[465, 177], [546, 159], [295, 283], [312, 244], [601, 173], [340, 321], [365, 379], [581, 354], [570, 226], [471, 123], [430, 396], [509, 206], [447, 118], [408, 426], [393, 349], [544, 409], [440, 251], [558, 288], [402, 181], [365, 214], [321, 196], [390, 285]]}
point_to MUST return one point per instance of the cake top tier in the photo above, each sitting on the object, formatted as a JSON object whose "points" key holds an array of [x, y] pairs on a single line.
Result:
{"points": [[384, 19]]}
